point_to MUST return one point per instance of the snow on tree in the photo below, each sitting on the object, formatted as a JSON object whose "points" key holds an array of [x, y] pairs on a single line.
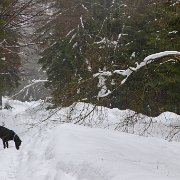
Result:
{"points": [[105, 38]]}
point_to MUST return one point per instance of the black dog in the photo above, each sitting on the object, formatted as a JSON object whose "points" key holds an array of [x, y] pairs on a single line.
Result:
{"points": [[7, 135]]}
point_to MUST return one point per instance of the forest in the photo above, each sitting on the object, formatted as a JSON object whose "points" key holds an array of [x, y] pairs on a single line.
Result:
{"points": [[84, 44], [89, 89]]}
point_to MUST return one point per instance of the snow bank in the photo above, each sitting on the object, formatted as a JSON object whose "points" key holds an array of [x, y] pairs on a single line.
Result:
{"points": [[29, 114], [52, 150], [72, 152]]}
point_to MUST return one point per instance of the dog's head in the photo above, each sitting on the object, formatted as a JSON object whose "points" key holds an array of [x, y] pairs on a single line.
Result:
{"points": [[17, 141]]}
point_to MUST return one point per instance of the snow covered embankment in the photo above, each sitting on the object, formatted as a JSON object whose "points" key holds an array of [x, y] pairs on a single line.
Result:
{"points": [[72, 152]]}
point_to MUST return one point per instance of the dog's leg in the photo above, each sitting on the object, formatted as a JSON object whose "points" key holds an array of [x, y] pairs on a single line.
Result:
{"points": [[4, 143], [7, 145]]}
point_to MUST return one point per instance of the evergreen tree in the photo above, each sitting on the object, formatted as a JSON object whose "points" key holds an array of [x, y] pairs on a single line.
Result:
{"points": [[150, 91], [111, 35], [9, 58], [14, 17]]}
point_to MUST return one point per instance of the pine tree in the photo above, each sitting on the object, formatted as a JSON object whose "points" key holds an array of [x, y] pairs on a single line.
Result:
{"points": [[157, 89], [9, 59], [110, 35]]}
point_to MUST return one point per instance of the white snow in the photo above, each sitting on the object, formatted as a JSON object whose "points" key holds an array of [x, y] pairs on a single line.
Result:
{"points": [[173, 32], [54, 151], [3, 58], [84, 7], [107, 42], [82, 24]]}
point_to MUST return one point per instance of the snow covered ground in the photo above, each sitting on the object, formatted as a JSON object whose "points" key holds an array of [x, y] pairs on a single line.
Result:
{"points": [[53, 150]]}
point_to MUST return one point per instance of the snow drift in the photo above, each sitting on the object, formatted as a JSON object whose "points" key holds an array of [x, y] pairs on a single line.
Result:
{"points": [[55, 151]]}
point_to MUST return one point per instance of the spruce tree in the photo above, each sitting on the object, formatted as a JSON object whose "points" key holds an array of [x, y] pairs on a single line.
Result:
{"points": [[9, 59], [108, 36]]}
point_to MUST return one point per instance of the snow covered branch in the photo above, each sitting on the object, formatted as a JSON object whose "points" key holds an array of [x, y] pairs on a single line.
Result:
{"points": [[149, 59], [128, 72], [34, 82]]}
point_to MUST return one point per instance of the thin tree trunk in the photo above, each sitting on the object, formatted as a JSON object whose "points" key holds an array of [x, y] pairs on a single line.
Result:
{"points": [[0, 102]]}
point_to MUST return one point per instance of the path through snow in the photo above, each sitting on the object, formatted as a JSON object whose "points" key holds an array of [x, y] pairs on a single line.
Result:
{"points": [[8, 163]]}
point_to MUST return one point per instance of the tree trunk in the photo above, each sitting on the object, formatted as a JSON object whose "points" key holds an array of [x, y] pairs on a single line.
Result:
{"points": [[0, 102]]}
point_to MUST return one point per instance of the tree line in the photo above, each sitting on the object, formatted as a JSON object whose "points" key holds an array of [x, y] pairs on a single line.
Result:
{"points": [[86, 40], [90, 37], [9, 58]]}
